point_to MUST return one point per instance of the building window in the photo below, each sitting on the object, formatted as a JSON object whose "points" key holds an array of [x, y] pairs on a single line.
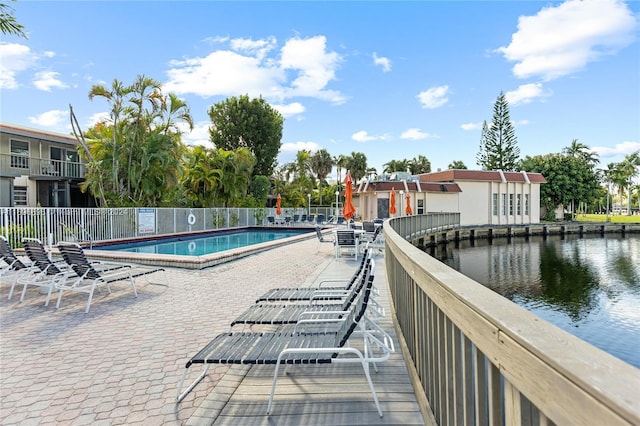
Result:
{"points": [[19, 154], [420, 206], [526, 204], [494, 203], [504, 204], [19, 195], [519, 204], [510, 204]]}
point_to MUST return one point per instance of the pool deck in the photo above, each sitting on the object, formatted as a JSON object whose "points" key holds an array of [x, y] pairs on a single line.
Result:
{"points": [[122, 362]]}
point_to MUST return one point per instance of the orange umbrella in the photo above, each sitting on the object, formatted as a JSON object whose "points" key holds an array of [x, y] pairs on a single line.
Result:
{"points": [[392, 202], [348, 211], [408, 209], [278, 206]]}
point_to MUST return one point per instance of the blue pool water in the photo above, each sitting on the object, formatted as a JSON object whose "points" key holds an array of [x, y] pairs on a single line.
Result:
{"points": [[206, 244]]}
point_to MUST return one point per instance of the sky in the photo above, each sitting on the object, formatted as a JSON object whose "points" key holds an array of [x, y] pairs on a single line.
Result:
{"points": [[392, 80]]}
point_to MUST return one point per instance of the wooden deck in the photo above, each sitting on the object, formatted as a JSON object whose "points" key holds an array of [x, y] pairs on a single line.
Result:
{"points": [[336, 394]]}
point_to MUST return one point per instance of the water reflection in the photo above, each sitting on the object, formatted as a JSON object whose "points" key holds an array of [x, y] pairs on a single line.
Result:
{"points": [[588, 286]]}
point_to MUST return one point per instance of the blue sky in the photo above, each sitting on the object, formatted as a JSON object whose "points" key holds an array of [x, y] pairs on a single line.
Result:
{"points": [[393, 80]]}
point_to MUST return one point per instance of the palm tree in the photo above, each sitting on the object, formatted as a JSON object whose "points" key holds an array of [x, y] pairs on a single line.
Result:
{"points": [[357, 165], [419, 165], [581, 151], [174, 110], [321, 164], [116, 98], [341, 162], [628, 169], [396, 166], [201, 177], [457, 165]]}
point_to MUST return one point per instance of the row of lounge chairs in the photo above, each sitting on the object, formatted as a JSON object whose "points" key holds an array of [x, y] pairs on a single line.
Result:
{"points": [[297, 219], [73, 273], [307, 332]]}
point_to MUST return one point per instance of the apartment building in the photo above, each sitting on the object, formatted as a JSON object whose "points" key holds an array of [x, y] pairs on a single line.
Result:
{"points": [[39, 168], [481, 197]]}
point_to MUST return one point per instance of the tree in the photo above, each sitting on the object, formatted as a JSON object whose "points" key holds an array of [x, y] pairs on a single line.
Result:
{"points": [[395, 166], [321, 164], [498, 143], [580, 150], [137, 151], [627, 170], [357, 165], [341, 162], [568, 178], [457, 165], [419, 165], [248, 123], [8, 22]]}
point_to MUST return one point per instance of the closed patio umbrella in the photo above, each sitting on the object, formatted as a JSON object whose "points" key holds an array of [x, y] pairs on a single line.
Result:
{"points": [[408, 209], [348, 211], [278, 206], [392, 202]]}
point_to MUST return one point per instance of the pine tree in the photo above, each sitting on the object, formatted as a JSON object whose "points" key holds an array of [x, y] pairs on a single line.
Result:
{"points": [[498, 144]]}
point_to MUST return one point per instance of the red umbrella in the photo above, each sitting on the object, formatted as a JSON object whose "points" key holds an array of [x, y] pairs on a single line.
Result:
{"points": [[348, 211], [278, 207], [408, 209], [392, 202]]}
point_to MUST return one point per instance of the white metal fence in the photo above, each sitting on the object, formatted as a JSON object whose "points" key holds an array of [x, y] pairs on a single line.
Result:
{"points": [[52, 225]]}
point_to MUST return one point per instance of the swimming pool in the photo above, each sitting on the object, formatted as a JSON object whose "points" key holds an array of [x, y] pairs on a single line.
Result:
{"points": [[200, 245]]}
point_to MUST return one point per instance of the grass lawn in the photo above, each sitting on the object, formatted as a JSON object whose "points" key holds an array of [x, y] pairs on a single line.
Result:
{"points": [[612, 218]]}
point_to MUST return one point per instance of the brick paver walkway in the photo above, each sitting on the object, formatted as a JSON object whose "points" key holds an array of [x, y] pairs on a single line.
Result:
{"points": [[121, 362]]}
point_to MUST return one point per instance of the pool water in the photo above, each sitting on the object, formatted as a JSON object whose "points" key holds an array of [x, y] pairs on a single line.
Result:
{"points": [[206, 244]]}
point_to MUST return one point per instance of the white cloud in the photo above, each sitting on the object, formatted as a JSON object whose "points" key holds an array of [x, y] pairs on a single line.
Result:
{"points": [[624, 148], [14, 58], [304, 67], [289, 110], [45, 80], [471, 126], [315, 66], [198, 136], [560, 40], [383, 62], [294, 147], [414, 134], [434, 97], [54, 118], [364, 136], [527, 93], [257, 48], [98, 117]]}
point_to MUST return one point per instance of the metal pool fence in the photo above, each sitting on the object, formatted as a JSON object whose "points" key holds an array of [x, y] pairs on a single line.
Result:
{"points": [[52, 225]]}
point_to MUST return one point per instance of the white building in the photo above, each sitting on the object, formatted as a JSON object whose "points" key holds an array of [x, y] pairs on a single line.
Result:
{"points": [[481, 197]]}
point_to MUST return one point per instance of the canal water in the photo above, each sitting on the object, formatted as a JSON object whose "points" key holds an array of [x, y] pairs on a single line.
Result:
{"points": [[589, 287]]}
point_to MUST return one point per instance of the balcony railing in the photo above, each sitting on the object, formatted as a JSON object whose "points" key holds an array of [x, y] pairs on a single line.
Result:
{"points": [[37, 167], [476, 358]]}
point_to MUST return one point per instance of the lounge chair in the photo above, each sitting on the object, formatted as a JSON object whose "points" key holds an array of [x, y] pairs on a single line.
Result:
{"points": [[45, 272], [88, 278], [316, 307], [13, 265], [297, 294], [302, 345], [271, 220]]}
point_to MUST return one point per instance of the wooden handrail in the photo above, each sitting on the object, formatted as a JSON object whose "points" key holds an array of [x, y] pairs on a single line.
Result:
{"points": [[481, 359]]}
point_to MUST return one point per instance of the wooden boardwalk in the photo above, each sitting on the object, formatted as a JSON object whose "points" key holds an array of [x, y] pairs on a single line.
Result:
{"points": [[336, 394]]}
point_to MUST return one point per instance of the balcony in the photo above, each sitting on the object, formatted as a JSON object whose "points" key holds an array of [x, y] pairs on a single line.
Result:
{"points": [[37, 168]]}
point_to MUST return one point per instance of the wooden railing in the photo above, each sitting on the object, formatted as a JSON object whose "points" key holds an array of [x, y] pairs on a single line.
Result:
{"points": [[479, 359]]}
